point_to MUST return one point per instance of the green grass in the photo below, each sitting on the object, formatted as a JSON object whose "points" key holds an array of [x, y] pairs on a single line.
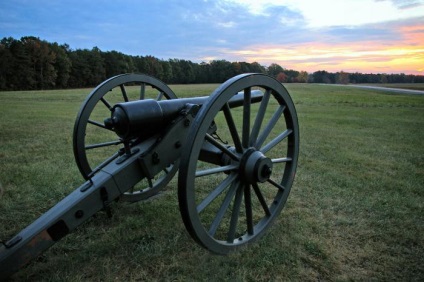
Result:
{"points": [[356, 210]]}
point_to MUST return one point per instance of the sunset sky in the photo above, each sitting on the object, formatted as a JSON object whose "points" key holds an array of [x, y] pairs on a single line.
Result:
{"points": [[368, 36]]}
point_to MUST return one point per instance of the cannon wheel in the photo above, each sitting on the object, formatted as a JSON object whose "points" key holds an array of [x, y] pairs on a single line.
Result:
{"points": [[228, 205], [95, 146]]}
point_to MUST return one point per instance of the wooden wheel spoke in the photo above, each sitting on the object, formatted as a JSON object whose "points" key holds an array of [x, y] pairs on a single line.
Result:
{"points": [[246, 117], [281, 160], [160, 96], [131, 190], [260, 117], [235, 214], [166, 170], [261, 199], [271, 123], [215, 170], [224, 149], [124, 92], [106, 103], [104, 144], [142, 91], [98, 124], [224, 207], [216, 192], [232, 127], [248, 207], [149, 180], [279, 186], [276, 140]]}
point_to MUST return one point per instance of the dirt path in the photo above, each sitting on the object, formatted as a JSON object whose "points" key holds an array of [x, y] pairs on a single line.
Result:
{"points": [[387, 89]]}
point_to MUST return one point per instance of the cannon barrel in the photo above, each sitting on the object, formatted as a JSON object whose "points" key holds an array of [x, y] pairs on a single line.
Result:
{"points": [[144, 118]]}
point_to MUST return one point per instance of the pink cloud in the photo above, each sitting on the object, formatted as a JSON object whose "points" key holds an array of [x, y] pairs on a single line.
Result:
{"points": [[405, 53]]}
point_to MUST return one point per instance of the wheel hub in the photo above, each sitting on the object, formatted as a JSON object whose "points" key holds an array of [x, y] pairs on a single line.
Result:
{"points": [[255, 167]]}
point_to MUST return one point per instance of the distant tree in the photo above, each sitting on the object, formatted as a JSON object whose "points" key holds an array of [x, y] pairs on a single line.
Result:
{"points": [[154, 67], [204, 73], [7, 62], [188, 71], [302, 77], [22, 75], [220, 70], [97, 66], [140, 64], [321, 77], [257, 68], [402, 78], [183, 71], [236, 66], [355, 77], [88, 68], [291, 75], [31, 63], [274, 70], [310, 78], [282, 77], [177, 72], [62, 64], [167, 72], [117, 63], [342, 77], [42, 61], [383, 78]]}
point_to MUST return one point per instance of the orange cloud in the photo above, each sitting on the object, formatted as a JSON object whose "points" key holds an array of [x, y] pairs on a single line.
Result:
{"points": [[404, 54], [364, 57]]}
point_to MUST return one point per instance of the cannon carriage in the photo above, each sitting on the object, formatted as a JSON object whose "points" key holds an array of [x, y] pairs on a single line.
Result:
{"points": [[235, 152]]}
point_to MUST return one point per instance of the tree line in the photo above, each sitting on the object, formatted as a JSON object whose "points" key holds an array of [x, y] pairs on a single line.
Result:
{"points": [[31, 63]]}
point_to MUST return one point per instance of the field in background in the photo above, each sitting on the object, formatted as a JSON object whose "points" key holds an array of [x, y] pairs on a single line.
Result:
{"points": [[356, 210]]}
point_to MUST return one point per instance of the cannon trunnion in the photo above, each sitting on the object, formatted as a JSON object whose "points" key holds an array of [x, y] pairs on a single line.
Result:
{"points": [[236, 153]]}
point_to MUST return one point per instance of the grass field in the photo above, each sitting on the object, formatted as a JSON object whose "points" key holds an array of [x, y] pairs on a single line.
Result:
{"points": [[356, 210]]}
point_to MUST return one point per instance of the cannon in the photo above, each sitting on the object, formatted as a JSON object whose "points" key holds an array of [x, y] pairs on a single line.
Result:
{"points": [[235, 152]]}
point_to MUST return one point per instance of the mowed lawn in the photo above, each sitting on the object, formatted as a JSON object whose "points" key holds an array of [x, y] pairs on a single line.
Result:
{"points": [[356, 210]]}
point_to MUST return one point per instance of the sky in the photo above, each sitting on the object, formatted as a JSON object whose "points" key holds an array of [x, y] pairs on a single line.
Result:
{"points": [[368, 36]]}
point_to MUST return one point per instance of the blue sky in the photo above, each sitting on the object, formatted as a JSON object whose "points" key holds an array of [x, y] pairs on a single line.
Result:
{"points": [[349, 35]]}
